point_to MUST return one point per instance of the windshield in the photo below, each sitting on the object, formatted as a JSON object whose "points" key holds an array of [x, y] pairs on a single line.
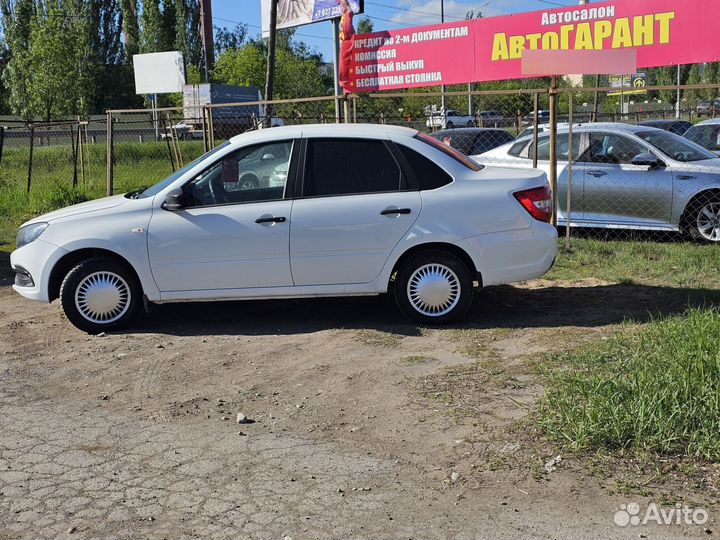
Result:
{"points": [[707, 136], [157, 188], [675, 146], [450, 151]]}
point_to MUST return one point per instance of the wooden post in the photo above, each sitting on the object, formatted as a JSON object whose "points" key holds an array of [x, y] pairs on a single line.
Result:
{"points": [[553, 145], [2, 141], [167, 141], [110, 156], [30, 158]]}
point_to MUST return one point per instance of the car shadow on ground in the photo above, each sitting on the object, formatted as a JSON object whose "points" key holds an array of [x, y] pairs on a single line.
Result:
{"points": [[495, 307]]}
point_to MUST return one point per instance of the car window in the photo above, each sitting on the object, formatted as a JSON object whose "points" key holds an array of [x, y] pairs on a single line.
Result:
{"points": [[613, 149], [349, 166], [428, 174], [674, 146], [252, 174], [707, 136], [455, 138], [519, 149], [562, 150], [450, 151], [486, 141], [157, 188]]}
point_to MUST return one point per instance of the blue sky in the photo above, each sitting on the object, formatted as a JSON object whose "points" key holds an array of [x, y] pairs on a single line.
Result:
{"points": [[385, 14]]}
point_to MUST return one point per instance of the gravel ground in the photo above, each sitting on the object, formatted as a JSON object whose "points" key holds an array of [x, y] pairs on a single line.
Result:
{"points": [[356, 429]]}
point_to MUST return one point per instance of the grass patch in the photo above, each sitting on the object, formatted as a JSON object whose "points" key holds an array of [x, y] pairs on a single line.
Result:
{"points": [[654, 389], [418, 359], [136, 165], [678, 264]]}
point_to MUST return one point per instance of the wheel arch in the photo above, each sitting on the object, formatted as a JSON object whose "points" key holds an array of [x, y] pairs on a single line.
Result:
{"points": [[435, 246], [687, 211], [73, 258]]}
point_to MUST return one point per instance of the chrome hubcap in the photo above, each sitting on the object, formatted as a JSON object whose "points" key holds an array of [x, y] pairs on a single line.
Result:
{"points": [[433, 290], [708, 222], [102, 297]]}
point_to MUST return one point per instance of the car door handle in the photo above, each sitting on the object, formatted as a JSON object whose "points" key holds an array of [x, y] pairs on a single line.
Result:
{"points": [[394, 211], [271, 219], [597, 174], [686, 177]]}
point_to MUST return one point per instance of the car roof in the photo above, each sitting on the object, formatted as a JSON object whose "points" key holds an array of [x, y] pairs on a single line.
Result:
{"points": [[711, 122], [468, 131], [326, 130], [662, 122]]}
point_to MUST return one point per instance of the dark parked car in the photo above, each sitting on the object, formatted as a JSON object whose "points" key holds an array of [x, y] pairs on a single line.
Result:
{"points": [[706, 134], [709, 107], [471, 141], [678, 127]]}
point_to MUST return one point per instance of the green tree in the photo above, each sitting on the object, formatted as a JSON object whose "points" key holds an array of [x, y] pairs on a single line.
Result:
{"points": [[365, 26], [692, 96], [17, 20], [130, 27], [226, 40], [151, 27]]}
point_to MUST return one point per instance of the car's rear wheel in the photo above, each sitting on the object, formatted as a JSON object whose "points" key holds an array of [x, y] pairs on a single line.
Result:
{"points": [[100, 294], [449, 125], [704, 222], [471, 124], [434, 287]]}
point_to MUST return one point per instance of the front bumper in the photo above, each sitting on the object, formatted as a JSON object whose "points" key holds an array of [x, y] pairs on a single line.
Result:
{"points": [[36, 260]]}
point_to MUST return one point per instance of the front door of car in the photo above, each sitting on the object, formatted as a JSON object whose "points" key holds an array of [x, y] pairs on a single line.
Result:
{"points": [[231, 233], [354, 208], [616, 191]]}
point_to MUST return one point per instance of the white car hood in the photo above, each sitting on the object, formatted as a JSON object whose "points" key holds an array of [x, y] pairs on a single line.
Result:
{"points": [[82, 208]]}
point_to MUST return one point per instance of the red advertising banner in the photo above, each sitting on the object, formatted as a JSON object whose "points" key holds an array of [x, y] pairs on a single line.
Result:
{"points": [[664, 32]]}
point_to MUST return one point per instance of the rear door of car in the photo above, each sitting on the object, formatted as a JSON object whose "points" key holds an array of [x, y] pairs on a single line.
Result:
{"points": [[353, 207]]}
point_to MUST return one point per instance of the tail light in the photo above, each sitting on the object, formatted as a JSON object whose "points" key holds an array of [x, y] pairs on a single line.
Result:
{"points": [[538, 202]]}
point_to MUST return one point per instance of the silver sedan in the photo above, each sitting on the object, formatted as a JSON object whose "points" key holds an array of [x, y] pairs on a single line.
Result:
{"points": [[630, 177]]}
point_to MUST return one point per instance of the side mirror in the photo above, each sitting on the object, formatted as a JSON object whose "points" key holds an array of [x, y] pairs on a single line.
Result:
{"points": [[268, 157], [647, 160], [175, 200]]}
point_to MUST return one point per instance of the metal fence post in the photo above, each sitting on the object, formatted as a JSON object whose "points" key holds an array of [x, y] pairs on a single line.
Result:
{"points": [[30, 157], [570, 170], [2, 141], [110, 156], [536, 122], [553, 146]]}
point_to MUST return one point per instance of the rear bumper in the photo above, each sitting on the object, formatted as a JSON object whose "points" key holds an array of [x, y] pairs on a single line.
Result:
{"points": [[512, 256]]}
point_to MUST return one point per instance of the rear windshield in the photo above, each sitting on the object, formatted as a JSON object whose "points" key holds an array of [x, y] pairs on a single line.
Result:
{"points": [[450, 151]]}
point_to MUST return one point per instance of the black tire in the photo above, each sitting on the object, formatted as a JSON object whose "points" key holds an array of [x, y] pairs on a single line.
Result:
{"points": [[457, 303], [119, 282], [697, 216], [471, 124], [449, 125]]}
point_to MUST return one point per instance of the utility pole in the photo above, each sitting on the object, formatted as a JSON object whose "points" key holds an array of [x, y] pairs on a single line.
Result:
{"points": [[442, 88], [270, 79], [677, 105], [208, 40]]}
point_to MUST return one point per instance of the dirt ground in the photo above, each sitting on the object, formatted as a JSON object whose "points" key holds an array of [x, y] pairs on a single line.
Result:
{"points": [[360, 420]]}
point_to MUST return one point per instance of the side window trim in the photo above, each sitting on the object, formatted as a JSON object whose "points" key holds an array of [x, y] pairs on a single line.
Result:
{"points": [[303, 172]]}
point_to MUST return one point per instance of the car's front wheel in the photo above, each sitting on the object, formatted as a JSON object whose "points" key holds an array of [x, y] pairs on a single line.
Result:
{"points": [[434, 287], [704, 225], [100, 294]]}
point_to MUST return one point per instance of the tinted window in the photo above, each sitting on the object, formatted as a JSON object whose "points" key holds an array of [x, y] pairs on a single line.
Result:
{"points": [[562, 149], [252, 174], [347, 166], [678, 148], [613, 149], [707, 136], [450, 151], [516, 150], [428, 174], [486, 141]]}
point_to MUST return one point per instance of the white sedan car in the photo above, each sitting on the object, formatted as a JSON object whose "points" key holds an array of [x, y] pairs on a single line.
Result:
{"points": [[359, 210]]}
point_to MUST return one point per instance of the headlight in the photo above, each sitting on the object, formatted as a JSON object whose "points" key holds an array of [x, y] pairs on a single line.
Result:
{"points": [[29, 233]]}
